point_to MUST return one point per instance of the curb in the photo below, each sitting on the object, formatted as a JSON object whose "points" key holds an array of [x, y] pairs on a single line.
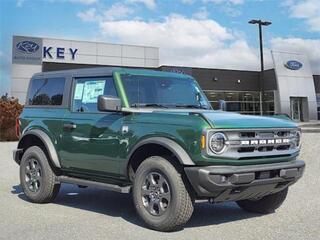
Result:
{"points": [[310, 130]]}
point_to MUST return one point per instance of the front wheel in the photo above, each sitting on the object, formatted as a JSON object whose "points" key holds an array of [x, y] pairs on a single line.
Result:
{"points": [[266, 204], [160, 195], [36, 176]]}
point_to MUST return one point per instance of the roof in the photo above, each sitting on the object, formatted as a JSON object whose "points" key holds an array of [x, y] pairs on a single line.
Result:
{"points": [[99, 71], [79, 71], [146, 72]]}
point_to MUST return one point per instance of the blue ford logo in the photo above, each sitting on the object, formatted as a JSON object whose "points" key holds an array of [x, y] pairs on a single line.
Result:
{"points": [[27, 47], [293, 65]]}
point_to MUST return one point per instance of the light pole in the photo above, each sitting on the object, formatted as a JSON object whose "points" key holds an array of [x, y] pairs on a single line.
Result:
{"points": [[261, 23]]}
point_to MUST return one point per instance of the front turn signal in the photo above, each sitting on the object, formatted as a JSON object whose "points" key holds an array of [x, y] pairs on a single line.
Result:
{"points": [[203, 142]]}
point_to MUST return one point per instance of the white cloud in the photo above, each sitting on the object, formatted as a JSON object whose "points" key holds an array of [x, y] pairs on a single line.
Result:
{"points": [[185, 42], [117, 11], [227, 6], [231, 11], [187, 1], [314, 23], [202, 13], [308, 46], [237, 1], [114, 12], [286, 3], [88, 16], [196, 41], [86, 2], [309, 10], [305, 9], [151, 4], [234, 2]]}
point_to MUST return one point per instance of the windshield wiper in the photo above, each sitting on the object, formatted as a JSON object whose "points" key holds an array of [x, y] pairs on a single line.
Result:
{"points": [[190, 106], [148, 105]]}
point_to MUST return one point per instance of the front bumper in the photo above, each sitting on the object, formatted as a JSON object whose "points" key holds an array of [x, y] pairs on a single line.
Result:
{"points": [[233, 183]]}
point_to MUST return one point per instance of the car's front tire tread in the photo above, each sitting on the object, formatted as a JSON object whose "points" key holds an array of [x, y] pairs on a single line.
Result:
{"points": [[177, 218], [50, 188]]}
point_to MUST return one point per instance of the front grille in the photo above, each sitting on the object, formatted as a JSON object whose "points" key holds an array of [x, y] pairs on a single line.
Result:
{"points": [[247, 134], [246, 149], [263, 148], [259, 143]]}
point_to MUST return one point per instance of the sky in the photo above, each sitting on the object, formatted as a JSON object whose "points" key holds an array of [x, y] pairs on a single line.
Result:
{"points": [[193, 33]]}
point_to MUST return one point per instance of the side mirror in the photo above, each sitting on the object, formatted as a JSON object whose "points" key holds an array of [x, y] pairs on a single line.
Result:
{"points": [[109, 104]]}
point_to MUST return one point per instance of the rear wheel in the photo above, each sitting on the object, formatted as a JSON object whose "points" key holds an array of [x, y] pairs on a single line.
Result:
{"points": [[266, 204], [160, 195], [36, 176]]}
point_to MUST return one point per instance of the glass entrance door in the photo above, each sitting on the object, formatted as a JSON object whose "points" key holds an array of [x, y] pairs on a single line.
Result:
{"points": [[296, 108]]}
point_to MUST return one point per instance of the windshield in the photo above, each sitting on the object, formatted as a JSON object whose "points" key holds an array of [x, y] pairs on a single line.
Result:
{"points": [[165, 92]]}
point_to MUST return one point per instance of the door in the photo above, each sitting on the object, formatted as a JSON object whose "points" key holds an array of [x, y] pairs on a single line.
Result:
{"points": [[296, 108], [90, 139]]}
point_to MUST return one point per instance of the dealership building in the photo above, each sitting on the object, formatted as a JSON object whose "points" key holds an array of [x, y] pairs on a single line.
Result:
{"points": [[288, 88]]}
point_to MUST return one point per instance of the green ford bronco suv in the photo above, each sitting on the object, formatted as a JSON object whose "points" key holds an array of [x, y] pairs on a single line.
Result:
{"points": [[155, 135]]}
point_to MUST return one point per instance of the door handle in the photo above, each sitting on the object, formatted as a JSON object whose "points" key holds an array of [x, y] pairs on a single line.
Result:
{"points": [[69, 126]]}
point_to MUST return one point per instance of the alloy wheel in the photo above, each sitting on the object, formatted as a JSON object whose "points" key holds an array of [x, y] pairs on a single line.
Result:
{"points": [[156, 194], [33, 175]]}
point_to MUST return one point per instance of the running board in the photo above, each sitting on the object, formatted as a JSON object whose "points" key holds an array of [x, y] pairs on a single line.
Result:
{"points": [[89, 183]]}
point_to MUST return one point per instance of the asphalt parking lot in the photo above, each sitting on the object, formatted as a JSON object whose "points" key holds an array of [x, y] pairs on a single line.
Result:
{"points": [[97, 214]]}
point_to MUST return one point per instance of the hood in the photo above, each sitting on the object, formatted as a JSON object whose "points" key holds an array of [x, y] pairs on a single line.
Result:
{"points": [[220, 119]]}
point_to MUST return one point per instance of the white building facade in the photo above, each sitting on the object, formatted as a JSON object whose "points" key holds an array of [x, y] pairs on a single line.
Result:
{"points": [[31, 55], [291, 88], [296, 93]]}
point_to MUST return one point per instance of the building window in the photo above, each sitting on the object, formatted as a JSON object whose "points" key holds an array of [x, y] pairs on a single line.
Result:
{"points": [[318, 105], [269, 102], [245, 102]]}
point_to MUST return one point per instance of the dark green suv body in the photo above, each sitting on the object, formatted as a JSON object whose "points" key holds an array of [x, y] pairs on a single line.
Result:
{"points": [[153, 134]]}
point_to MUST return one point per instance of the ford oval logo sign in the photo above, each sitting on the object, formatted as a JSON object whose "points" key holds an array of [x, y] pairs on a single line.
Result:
{"points": [[27, 47], [293, 65]]}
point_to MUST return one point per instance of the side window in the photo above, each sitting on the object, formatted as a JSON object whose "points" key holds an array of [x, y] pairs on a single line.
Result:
{"points": [[87, 90], [46, 91]]}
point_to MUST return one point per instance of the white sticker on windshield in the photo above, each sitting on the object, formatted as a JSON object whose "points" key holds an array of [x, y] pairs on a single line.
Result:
{"points": [[91, 91], [78, 91]]}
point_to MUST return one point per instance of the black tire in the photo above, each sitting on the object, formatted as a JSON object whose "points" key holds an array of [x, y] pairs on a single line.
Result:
{"points": [[267, 204], [36, 176], [174, 211]]}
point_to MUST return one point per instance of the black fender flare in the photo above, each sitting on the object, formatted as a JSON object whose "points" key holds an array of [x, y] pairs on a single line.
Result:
{"points": [[46, 140], [171, 145]]}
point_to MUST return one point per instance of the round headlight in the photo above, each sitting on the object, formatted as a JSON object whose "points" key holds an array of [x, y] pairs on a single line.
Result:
{"points": [[217, 143]]}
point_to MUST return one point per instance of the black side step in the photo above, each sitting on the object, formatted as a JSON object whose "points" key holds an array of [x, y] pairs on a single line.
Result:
{"points": [[89, 183]]}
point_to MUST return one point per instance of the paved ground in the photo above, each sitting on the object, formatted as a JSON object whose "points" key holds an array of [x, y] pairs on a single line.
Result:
{"points": [[95, 214], [312, 126]]}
